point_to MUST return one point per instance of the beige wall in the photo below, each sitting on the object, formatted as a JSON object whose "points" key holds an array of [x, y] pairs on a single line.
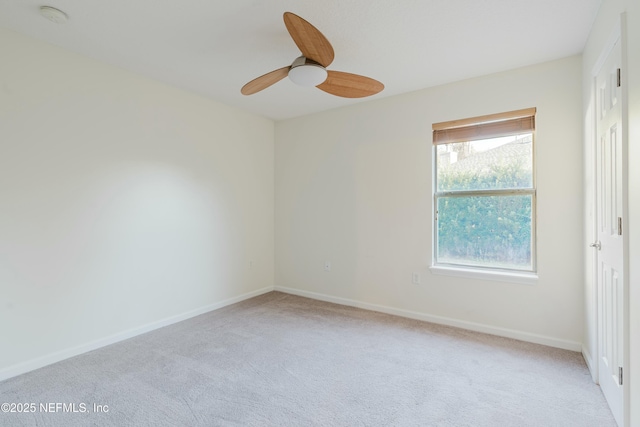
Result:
{"points": [[608, 17], [353, 186], [123, 202]]}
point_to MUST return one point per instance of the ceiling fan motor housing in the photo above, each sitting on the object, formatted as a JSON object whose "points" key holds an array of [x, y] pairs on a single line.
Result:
{"points": [[306, 72]]}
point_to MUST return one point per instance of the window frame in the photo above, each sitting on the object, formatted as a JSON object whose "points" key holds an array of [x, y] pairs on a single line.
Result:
{"points": [[527, 276]]}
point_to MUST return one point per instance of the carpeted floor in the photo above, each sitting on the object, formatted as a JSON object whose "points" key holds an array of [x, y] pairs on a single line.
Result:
{"points": [[283, 360]]}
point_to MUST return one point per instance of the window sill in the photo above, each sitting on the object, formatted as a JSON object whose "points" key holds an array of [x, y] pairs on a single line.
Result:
{"points": [[494, 275]]}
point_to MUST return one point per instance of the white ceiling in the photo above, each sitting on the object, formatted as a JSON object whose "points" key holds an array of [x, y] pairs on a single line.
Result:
{"points": [[213, 47]]}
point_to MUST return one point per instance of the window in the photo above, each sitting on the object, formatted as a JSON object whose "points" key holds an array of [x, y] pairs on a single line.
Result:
{"points": [[484, 192]]}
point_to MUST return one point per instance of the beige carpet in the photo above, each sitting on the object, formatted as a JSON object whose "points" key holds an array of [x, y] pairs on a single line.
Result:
{"points": [[282, 360]]}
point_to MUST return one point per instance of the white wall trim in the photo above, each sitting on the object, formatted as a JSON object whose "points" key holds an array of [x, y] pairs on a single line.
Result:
{"points": [[522, 278], [614, 37], [590, 364], [33, 364], [472, 326]]}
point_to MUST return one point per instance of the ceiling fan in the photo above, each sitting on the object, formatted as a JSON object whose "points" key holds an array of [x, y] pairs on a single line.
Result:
{"points": [[310, 68]]}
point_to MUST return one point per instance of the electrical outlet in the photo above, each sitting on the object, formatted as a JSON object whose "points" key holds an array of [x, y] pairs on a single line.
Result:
{"points": [[415, 278], [327, 266]]}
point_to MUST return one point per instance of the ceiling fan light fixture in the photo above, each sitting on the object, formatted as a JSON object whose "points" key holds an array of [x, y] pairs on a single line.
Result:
{"points": [[310, 69], [305, 72]]}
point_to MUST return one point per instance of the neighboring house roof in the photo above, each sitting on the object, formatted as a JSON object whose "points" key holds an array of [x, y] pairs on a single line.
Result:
{"points": [[511, 153]]}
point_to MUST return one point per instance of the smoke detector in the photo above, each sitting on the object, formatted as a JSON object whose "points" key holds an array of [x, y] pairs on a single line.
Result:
{"points": [[53, 14]]}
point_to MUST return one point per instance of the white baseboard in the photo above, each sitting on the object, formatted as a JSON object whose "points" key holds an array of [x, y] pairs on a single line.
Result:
{"points": [[472, 326], [49, 359], [24, 367], [590, 364]]}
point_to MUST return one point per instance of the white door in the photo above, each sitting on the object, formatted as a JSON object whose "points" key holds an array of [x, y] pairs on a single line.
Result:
{"points": [[610, 223]]}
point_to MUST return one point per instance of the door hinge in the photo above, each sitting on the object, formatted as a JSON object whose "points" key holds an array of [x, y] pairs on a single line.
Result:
{"points": [[620, 375], [619, 226], [619, 78], [436, 214]]}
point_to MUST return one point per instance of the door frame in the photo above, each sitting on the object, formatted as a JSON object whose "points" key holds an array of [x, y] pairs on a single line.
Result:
{"points": [[619, 34]]}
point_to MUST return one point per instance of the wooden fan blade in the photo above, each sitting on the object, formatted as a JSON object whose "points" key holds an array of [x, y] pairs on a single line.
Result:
{"points": [[309, 39], [349, 85], [264, 81]]}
